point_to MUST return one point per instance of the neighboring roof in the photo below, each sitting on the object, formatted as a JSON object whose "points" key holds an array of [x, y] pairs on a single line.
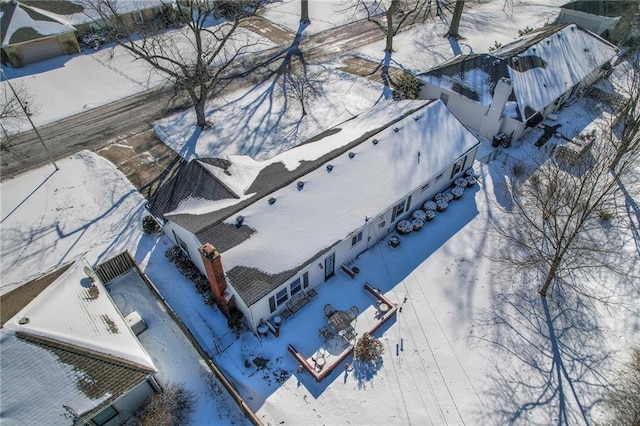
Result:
{"points": [[303, 223], [39, 379], [607, 8], [78, 12], [68, 352], [20, 23], [77, 311], [541, 65]]}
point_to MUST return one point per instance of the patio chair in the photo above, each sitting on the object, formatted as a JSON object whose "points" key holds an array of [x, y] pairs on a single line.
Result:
{"points": [[350, 334], [354, 311], [326, 333], [328, 310]]}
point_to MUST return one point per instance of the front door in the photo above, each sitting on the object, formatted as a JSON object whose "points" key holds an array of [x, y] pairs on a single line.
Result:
{"points": [[329, 266]]}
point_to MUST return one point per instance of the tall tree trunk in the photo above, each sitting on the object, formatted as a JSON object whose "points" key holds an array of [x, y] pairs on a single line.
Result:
{"points": [[304, 12], [551, 275], [390, 12], [455, 19]]}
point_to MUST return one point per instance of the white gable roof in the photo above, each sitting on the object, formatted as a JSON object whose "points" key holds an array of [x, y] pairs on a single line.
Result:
{"points": [[76, 311], [570, 55], [334, 204]]}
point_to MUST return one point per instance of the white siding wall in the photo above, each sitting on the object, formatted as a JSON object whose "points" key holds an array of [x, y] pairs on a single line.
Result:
{"points": [[188, 242]]}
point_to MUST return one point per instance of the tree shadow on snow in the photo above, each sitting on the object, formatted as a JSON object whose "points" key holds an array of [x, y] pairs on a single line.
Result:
{"points": [[365, 371], [549, 356]]}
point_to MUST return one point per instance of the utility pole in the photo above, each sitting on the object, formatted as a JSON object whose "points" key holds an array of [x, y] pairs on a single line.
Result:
{"points": [[28, 115]]}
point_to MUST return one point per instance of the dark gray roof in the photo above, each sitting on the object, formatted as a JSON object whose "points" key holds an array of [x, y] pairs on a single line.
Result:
{"points": [[192, 180]]}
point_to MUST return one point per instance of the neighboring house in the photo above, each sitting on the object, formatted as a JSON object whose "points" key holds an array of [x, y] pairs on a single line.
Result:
{"points": [[35, 30], [84, 17], [612, 20], [68, 356], [266, 232], [518, 85], [30, 34]]}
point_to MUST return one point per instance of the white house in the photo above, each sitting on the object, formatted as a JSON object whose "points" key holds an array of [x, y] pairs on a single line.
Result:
{"points": [[267, 232], [613, 20], [68, 356], [518, 85]]}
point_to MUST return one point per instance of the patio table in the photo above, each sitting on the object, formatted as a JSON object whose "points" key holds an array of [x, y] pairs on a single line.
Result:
{"points": [[340, 321]]}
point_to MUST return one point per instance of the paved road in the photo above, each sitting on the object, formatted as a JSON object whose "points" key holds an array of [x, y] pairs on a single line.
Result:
{"points": [[98, 127]]}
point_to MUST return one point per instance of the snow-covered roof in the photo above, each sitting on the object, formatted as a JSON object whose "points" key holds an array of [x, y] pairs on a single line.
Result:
{"points": [[541, 65], [76, 311], [68, 348], [78, 12], [362, 183], [20, 23]]}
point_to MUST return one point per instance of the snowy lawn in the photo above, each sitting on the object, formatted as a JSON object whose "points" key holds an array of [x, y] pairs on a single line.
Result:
{"points": [[70, 84], [262, 122]]}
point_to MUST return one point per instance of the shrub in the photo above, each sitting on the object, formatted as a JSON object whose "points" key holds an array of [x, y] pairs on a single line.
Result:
{"points": [[496, 45], [368, 348], [407, 87], [191, 272], [526, 30], [149, 225], [518, 170], [236, 321], [171, 407]]}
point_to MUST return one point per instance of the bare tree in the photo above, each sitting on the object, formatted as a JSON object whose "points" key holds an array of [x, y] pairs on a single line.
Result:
{"points": [[301, 83], [455, 19], [304, 12], [563, 220], [628, 118], [397, 14], [12, 112], [196, 56]]}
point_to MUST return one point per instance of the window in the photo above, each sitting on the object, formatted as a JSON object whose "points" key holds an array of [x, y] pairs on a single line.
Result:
{"points": [[137, 15], [356, 239], [272, 304], [181, 243], [282, 296], [444, 98], [104, 416], [295, 287], [305, 280], [457, 167], [397, 211]]}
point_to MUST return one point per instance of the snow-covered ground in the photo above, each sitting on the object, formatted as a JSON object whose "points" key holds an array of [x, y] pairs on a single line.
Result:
{"points": [[474, 345]]}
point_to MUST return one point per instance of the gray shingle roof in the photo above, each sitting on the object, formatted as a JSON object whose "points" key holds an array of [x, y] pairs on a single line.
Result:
{"points": [[27, 27], [192, 180]]}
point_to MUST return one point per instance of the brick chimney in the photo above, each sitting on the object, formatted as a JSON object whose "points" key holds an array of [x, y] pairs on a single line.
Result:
{"points": [[215, 275]]}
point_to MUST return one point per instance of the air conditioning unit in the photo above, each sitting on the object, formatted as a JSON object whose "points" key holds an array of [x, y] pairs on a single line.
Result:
{"points": [[136, 323]]}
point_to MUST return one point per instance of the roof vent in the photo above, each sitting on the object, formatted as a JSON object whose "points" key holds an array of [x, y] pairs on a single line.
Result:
{"points": [[352, 154], [416, 117], [272, 200], [586, 49], [23, 321], [300, 185], [396, 129], [375, 141], [329, 167], [239, 221]]}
